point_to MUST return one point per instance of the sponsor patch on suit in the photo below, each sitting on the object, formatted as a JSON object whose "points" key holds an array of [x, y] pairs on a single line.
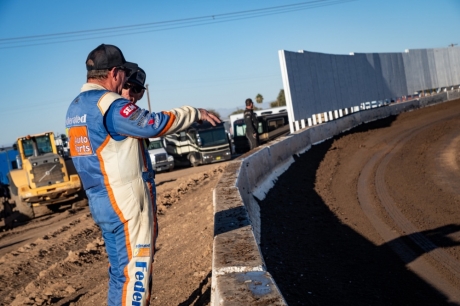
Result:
{"points": [[142, 252]]}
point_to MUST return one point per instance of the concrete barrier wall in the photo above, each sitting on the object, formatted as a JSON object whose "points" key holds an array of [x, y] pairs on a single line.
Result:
{"points": [[425, 101], [404, 107], [452, 95], [316, 82], [239, 275]]}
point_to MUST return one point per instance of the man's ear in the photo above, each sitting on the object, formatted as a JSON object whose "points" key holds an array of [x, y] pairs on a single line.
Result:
{"points": [[113, 72]]}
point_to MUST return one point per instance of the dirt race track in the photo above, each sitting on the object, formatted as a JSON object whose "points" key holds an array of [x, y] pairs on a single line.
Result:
{"points": [[370, 217]]}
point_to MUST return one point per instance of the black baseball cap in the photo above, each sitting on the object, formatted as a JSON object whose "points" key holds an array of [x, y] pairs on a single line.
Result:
{"points": [[107, 57], [137, 77]]}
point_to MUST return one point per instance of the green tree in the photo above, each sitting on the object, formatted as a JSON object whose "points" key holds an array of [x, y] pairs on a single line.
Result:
{"points": [[280, 100], [259, 98]]}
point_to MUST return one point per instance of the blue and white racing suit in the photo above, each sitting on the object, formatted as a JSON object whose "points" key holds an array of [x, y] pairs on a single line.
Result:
{"points": [[106, 135]]}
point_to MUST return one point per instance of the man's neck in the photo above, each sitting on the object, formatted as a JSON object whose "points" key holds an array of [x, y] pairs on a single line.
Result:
{"points": [[106, 83], [102, 83]]}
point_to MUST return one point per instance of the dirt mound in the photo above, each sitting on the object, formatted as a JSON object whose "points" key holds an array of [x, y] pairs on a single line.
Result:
{"points": [[67, 264], [44, 268], [171, 195]]}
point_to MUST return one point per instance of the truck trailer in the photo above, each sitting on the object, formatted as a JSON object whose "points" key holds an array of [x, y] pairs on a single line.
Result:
{"points": [[8, 162]]}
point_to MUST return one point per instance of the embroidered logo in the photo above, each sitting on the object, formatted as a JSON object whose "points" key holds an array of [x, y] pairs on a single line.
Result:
{"points": [[142, 252], [128, 109], [156, 121]]}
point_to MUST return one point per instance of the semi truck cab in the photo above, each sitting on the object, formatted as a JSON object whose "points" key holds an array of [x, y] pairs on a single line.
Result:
{"points": [[161, 160]]}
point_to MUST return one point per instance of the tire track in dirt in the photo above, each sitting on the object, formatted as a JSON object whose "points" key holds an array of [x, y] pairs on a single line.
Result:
{"points": [[421, 266], [405, 225], [447, 164], [11, 240], [35, 274]]}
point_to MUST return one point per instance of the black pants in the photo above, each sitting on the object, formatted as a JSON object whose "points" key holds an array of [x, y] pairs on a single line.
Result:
{"points": [[253, 141]]}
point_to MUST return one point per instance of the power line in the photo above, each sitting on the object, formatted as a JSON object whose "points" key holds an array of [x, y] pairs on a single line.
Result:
{"points": [[53, 38], [168, 21]]}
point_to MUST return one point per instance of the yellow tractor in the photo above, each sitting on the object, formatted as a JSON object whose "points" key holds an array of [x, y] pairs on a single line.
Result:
{"points": [[43, 176]]}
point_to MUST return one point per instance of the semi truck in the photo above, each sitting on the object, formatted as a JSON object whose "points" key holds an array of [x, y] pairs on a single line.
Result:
{"points": [[161, 160], [201, 143]]}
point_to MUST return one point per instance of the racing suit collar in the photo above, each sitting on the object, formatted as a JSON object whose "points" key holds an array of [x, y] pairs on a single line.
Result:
{"points": [[92, 86]]}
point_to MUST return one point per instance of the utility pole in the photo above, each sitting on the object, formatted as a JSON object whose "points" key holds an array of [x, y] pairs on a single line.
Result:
{"points": [[148, 96]]}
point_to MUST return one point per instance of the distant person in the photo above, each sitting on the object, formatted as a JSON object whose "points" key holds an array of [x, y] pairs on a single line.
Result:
{"points": [[106, 133], [134, 88], [252, 125]]}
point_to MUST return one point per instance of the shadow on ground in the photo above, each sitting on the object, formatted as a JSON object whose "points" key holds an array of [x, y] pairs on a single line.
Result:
{"points": [[317, 260]]}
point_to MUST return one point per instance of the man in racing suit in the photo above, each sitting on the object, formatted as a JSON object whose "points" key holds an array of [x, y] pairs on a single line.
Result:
{"points": [[105, 136]]}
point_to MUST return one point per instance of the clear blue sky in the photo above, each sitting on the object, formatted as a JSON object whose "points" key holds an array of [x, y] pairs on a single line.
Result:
{"points": [[216, 64]]}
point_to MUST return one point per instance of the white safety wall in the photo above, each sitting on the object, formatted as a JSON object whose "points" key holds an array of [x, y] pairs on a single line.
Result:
{"points": [[315, 83]]}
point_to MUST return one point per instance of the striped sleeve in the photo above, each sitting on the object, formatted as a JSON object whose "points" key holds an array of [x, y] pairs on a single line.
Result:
{"points": [[124, 119]]}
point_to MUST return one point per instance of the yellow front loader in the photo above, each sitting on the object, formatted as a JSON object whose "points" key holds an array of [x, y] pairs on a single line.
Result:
{"points": [[43, 176]]}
